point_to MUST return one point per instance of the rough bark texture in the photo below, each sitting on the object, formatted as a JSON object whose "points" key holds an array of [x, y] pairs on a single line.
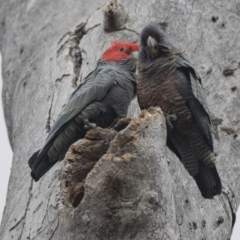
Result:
{"points": [[138, 189]]}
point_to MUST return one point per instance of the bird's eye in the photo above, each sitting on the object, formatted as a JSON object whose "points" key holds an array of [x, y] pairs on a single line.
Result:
{"points": [[122, 49], [155, 47]]}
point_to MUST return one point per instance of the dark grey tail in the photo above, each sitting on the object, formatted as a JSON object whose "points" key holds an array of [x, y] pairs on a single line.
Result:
{"points": [[208, 181], [39, 165]]}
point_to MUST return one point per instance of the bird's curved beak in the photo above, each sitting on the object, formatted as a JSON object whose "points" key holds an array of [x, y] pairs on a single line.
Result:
{"points": [[152, 43]]}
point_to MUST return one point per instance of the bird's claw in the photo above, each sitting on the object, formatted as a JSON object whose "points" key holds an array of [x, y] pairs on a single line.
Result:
{"points": [[170, 119], [114, 123], [121, 123], [88, 125]]}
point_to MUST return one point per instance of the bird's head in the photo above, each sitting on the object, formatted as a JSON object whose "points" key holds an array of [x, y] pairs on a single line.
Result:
{"points": [[119, 51], [154, 42]]}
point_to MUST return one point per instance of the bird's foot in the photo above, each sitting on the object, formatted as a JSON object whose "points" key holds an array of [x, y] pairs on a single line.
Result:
{"points": [[114, 122], [170, 119], [122, 123], [88, 125]]}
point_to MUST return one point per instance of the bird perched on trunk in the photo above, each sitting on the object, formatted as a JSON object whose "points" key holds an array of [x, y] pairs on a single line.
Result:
{"points": [[99, 100], [167, 79]]}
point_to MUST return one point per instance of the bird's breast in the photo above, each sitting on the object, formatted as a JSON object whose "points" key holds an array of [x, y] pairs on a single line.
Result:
{"points": [[160, 92]]}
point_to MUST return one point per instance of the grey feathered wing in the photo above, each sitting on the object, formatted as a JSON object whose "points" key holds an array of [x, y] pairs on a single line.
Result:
{"points": [[207, 178], [94, 88], [196, 98]]}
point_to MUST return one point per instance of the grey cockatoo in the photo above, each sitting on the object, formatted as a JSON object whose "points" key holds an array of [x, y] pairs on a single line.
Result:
{"points": [[167, 79], [100, 99]]}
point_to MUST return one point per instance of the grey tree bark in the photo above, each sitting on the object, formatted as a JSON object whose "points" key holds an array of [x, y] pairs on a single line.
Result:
{"points": [[115, 184]]}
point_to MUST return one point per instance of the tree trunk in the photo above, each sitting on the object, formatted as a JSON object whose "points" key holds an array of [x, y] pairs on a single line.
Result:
{"points": [[122, 183]]}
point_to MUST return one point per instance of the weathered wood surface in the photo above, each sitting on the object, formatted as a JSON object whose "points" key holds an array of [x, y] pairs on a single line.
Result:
{"points": [[50, 46]]}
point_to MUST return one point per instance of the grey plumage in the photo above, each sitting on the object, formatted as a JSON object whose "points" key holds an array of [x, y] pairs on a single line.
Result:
{"points": [[167, 79], [104, 96]]}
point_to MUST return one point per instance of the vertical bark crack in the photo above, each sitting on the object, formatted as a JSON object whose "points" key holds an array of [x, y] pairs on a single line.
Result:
{"points": [[75, 52], [48, 123], [72, 43], [229, 197], [26, 209], [51, 237]]}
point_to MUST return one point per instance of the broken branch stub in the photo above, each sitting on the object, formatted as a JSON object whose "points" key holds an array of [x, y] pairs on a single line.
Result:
{"points": [[114, 16], [125, 184], [128, 191], [83, 155], [81, 158]]}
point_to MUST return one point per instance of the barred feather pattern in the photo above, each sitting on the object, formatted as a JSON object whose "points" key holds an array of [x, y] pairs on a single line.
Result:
{"points": [[190, 142], [103, 113], [168, 80], [165, 65], [161, 90]]}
